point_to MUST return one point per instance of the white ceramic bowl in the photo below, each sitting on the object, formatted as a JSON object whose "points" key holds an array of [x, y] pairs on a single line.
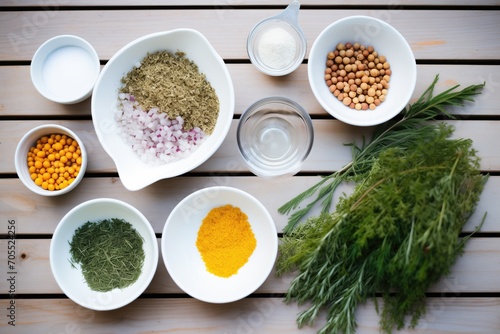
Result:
{"points": [[29, 140], [134, 173], [184, 263], [71, 280], [387, 41], [64, 69]]}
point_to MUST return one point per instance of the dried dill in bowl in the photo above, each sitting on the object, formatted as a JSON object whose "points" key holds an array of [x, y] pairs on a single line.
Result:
{"points": [[173, 84], [109, 252], [166, 107]]}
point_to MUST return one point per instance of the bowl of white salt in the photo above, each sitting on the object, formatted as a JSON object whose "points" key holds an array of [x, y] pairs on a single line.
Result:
{"points": [[276, 46], [64, 69]]}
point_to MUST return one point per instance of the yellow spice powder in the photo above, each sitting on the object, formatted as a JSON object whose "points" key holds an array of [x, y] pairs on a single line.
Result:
{"points": [[225, 240]]}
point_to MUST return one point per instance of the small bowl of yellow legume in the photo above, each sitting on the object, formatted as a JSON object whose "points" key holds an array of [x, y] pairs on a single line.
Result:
{"points": [[219, 244], [50, 160], [362, 71]]}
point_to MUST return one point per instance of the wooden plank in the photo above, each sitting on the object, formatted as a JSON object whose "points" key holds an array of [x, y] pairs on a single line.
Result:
{"points": [[251, 85], [252, 315], [40, 215], [328, 154], [435, 34], [54, 4], [476, 271]]}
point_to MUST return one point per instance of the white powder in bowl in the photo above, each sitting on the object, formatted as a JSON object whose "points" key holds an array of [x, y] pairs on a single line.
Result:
{"points": [[277, 48]]}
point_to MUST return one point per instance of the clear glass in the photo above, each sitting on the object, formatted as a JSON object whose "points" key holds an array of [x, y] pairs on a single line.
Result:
{"points": [[275, 136]]}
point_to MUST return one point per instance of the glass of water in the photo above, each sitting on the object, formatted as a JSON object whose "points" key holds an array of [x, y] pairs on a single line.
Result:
{"points": [[275, 136]]}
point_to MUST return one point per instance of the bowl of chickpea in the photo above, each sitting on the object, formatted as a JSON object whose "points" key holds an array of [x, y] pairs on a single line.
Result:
{"points": [[50, 160], [362, 71]]}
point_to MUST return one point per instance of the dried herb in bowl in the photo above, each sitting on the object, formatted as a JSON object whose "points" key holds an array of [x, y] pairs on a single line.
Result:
{"points": [[173, 84], [109, 252], [398, 232]]}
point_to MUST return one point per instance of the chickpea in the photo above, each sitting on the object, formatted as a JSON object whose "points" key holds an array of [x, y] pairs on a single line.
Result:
{"points": [[356, 74], [54, 162]]}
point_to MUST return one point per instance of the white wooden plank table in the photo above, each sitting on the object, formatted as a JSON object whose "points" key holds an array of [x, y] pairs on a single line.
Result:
{"points": [[459, 41]]}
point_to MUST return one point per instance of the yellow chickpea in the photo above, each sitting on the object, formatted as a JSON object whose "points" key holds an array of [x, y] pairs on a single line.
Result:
{"points": [[54, 161]]}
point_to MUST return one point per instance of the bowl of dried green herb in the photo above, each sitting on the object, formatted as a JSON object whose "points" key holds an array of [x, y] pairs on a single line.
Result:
{"points": [[162, 106], [103, 254]]}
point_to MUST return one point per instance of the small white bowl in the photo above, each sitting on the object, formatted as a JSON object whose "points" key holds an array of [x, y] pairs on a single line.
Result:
{"points": [[184, 263], [64, 69], [387, 41], [29, 140], [71, 280], [134, 173]]}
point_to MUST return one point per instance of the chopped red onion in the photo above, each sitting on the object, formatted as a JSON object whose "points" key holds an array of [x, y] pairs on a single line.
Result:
{"points": [[152, 135]]}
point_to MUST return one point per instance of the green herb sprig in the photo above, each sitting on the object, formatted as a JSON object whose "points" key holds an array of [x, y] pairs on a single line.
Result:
{"points": [[399, 132], [109, 252], [398, 232]]}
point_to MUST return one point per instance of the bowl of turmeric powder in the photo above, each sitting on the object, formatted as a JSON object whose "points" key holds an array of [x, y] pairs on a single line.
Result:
{"points": [[219, 244]]}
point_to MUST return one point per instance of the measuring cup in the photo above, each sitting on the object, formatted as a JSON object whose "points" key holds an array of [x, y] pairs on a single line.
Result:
{"points": [[276, 46]]}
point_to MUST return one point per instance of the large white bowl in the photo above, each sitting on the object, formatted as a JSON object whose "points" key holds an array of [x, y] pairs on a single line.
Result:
{"points": [[387, 41], [184, 262], [134, 173], [71, 280]]}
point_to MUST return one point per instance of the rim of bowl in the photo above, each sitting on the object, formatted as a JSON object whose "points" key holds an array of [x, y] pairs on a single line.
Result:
{"points": [[166, 255], [37, 63], [22, 150], [147, 225], [306, 118], [331, 110]]}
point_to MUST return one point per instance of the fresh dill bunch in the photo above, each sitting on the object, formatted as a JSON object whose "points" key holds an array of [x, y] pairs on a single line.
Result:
{"points": [[400, 132], [396, 234]]}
